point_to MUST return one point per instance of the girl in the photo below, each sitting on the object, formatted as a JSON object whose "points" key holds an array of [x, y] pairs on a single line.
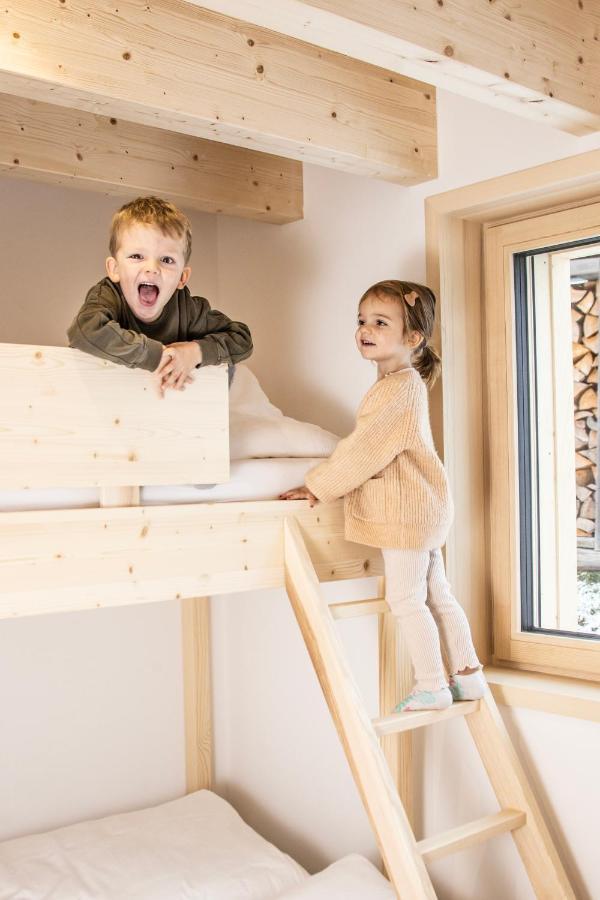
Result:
{"points": [[396, 493]]}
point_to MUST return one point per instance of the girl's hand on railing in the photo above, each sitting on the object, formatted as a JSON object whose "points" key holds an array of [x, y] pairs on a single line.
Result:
{"points": [[300, 493]]}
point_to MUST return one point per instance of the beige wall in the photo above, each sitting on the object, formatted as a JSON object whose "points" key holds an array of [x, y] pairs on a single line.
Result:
{"points": [[90, 706], [299, 286], [55, 242], [91, 702]]}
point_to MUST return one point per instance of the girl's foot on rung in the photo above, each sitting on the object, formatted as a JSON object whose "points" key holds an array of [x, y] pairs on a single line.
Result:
{"points": [[468, 687], [419, 700]]}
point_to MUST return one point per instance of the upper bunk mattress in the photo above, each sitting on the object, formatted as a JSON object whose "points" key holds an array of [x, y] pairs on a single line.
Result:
{"points": [[251, 479]]}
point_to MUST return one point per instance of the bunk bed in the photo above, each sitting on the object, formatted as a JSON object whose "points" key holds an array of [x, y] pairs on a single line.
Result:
{"points": [[101, 504]]}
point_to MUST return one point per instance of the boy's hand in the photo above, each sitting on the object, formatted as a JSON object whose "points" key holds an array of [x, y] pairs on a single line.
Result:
{"points": [[300, 493], [178, 361]]}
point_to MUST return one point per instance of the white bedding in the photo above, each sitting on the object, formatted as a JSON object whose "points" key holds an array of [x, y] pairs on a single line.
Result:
{"points": [[194, 848], [257, 429], [350, 878], [251, 479], [270, 454]]}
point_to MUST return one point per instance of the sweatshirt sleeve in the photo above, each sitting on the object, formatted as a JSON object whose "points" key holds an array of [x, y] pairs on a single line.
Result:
{"points": [[96, 330], [385, 427], [221, 339]]}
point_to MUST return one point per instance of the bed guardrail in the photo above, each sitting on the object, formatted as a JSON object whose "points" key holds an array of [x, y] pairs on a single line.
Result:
{"points": [[71, 420], [68, 419]]}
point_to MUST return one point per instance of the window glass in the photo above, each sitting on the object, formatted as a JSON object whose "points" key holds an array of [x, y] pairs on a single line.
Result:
{"points": [[557, 311]]}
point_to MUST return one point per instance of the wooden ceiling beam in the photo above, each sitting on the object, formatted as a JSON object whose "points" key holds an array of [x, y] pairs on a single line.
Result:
{"points": [[539, 59], [49, 143], [174, 65]]}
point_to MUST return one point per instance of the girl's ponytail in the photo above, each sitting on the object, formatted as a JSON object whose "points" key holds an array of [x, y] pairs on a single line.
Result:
{"points": [[428, 364]]}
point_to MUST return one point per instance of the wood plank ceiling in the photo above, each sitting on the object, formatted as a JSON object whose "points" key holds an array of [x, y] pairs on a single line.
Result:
{"points": [[217, 103], [173, 66], [536, 58]]}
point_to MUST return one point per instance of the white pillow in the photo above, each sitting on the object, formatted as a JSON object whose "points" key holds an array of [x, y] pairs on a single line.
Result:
{"points": [[350, 878], [194, 848], [247, 396], [257, 429]]}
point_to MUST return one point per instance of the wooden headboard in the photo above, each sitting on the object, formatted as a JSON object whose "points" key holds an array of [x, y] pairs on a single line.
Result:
{"points": [[68, 419]]}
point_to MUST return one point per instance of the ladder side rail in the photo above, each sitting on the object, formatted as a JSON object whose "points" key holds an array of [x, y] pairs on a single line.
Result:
{"points": [[511, 786], [397, 844]]}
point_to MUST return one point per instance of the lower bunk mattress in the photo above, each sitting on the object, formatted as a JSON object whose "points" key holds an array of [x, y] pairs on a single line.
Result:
{"points": [[193, 848], [251, 479]]}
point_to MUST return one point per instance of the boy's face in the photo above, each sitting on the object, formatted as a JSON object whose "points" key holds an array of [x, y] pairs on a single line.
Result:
{"points": [[149, 266]]}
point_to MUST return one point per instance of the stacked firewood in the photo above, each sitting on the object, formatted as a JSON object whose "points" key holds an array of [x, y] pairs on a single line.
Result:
{"points": [[584, 314]]}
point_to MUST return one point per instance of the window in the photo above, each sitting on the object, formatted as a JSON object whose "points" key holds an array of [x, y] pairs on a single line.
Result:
{"points": [[541, 350], [556, 337]]}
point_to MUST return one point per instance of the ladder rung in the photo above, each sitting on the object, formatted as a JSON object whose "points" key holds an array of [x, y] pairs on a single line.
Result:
{"points": [[358, 608], [471, 834], [406, 721]]}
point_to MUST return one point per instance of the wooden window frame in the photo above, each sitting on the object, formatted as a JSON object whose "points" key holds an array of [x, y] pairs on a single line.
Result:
{"points": [[456, 224], [576, 656]]}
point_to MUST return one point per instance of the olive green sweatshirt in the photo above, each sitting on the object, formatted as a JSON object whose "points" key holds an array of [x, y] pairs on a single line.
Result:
{"points": [[105, 326], [394, 485]]}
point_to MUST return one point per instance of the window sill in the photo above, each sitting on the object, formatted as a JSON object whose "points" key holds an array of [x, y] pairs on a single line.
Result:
{"points": [[548, 693]]}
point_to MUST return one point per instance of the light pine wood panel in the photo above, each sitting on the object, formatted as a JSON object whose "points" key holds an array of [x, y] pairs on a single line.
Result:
{"points": [[562, 696], [353, 608], [197, 702], [398, 723], [58, 560], [395, 682], [68, 419], [396, 841], [540, 59], [511, 786], [124, 495], [189, 70], [471, 834], [567, 655], [45, 142], [455, 225]]}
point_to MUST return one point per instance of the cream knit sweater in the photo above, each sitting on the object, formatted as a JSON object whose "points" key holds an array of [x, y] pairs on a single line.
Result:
{"points": [[394, 485]]}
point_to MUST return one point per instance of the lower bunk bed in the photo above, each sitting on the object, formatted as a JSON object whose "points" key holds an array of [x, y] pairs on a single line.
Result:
{"points": [[194, 848], [110, 496]]}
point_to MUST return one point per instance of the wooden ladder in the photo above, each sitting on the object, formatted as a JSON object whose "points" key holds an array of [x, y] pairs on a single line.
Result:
{"points": [[403, 855]]}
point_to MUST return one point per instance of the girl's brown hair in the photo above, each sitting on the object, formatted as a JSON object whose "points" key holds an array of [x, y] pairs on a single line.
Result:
{"points": [[417, 303], [152, 211]]}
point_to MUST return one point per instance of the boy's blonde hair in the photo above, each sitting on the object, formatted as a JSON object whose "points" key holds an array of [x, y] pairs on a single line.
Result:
{"points": [[417, 304], [152, 211]]}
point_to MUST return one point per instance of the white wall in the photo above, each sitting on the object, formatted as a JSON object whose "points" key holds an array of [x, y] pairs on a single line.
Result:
{"points": [[90, 703], [299, 286], [55, 242]]}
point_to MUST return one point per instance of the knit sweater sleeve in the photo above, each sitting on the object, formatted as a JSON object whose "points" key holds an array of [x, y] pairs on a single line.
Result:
{"points": [[386, 426], [221, 339], [96, 329]]}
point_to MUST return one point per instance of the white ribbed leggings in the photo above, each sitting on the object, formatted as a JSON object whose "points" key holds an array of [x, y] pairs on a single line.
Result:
{"points": [[419, 595]]}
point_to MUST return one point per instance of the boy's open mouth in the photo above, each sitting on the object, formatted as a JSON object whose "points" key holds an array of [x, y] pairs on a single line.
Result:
{"points": [[148, 293], [368, 343]]}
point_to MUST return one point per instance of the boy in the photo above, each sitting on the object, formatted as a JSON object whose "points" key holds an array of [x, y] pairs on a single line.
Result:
{"points": [[143, 315]]}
